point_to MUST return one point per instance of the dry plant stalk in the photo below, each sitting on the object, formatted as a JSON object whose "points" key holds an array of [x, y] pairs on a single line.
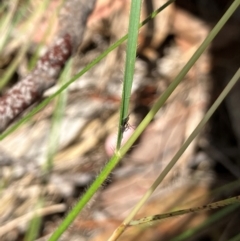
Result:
{"points": [[57, 208], [72, 22]]}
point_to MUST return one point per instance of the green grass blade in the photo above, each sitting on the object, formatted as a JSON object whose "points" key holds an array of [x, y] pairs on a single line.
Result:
{"points": [[129, 67], [34, 225], [57, 120]]}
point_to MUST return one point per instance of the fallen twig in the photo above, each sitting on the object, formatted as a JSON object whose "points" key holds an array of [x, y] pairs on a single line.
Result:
{"points": [[58, 208], [73, 17]]}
